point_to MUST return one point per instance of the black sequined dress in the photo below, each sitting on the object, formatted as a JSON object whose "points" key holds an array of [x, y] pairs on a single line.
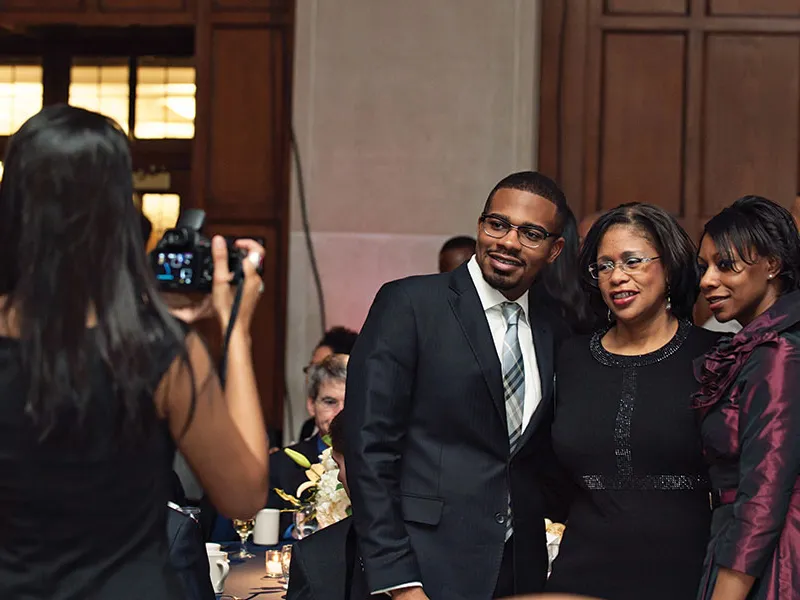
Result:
{"points": [[625, 431]]}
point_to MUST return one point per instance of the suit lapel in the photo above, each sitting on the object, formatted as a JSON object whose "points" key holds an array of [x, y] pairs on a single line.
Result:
{"points": [[543, 346], [470, 314]]}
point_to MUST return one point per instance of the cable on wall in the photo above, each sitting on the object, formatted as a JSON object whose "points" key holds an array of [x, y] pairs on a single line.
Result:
{"points": [[312, 257]]}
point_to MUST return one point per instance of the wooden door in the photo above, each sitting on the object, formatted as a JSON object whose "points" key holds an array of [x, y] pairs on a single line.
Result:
{"points": [[687, 104], [240, 168]]}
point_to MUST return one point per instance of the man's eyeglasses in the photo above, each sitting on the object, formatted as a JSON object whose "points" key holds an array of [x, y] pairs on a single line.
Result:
{"points": [[631, 265], [329, 404], [530, 236]]}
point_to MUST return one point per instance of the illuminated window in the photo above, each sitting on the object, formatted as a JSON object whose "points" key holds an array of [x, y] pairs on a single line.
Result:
{"points": [[20, 95], [163, 211], [165, 99], [102, 86]]}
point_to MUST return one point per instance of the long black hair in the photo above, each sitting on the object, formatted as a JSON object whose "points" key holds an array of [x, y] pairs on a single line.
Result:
{"points": [[756, 224], [71, 247], [673, 244], [558, 283]]}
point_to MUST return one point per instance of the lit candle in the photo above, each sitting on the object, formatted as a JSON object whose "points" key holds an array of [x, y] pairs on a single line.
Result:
{"points": [[274, 566]]}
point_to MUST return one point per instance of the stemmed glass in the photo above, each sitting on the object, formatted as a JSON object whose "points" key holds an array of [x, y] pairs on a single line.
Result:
{"points": [[286, 562], [244, 527]]}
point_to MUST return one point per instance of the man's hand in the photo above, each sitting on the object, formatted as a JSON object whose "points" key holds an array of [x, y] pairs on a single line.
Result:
{"points": [[409, 593]]}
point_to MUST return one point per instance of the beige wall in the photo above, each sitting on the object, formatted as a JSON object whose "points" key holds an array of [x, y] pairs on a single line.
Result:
{"points": [[406, 112]]}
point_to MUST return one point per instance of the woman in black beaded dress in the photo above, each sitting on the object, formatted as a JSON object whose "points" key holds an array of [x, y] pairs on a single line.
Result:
{"points": [[623, 429]]}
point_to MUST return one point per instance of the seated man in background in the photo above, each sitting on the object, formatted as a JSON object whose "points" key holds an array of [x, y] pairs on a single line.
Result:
{"points": [[326, 386], [325, 565], [337, 340], [455, 252]]}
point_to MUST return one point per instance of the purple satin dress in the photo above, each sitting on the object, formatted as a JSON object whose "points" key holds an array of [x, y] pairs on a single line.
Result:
{"points": [[749, 404]]}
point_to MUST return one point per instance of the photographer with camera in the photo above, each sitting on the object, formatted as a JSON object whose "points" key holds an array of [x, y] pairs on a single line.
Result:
{"points": [[99, 383]]}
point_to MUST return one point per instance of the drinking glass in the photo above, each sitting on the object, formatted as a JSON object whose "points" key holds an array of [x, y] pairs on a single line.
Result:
{"points": [[244, 527], [286, 562]]}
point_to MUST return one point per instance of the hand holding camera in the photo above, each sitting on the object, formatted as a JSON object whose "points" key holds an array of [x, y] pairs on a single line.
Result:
{"points": [[186, 263], [223, 293]]}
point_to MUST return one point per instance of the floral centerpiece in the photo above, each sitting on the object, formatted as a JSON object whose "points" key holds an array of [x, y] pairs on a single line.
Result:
{"points": [[320, 501]]}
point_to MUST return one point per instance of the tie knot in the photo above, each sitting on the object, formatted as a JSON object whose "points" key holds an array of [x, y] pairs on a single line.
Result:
{"points": [[511, 312]]}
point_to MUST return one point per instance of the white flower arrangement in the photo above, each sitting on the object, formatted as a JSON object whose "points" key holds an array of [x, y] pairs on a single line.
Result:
{"points": [[331, 499], [322, 500]]}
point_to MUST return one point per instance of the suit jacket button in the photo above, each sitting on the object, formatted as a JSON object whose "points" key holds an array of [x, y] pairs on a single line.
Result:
{"points": [[500, 518]]}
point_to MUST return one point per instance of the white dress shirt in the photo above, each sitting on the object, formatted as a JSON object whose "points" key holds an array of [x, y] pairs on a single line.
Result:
{"points": [[491, 299]]}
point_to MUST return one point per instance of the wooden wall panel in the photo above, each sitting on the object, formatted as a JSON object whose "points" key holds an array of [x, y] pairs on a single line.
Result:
{"points": [[647, 7], [142, 5], [642, 120], [238, 5], [561, 96], [245, 133], [43, 5], [241, 157], [748, 8], [267, 355], [750, 122]]}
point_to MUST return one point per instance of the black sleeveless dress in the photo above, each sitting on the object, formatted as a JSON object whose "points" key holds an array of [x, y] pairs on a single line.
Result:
{"points": [[625, 431], [82, 513]]}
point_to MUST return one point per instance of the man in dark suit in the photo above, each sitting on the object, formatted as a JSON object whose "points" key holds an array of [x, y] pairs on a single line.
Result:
{"points": [[325, 565], [448, 412]]}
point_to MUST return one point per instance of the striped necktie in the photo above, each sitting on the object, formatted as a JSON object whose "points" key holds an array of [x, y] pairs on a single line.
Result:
{"points": [[513, 373], [513, 385]]}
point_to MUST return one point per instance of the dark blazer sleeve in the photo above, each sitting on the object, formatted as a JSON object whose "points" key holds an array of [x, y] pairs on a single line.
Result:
{"points": [[769, 421], [299, 586], [377, 410]]}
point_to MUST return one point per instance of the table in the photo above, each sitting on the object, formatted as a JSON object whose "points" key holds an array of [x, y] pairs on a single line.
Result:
{"points": [[247, 579]]}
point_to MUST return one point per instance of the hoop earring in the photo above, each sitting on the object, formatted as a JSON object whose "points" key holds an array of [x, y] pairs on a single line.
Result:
{"points": [[609, 315]]}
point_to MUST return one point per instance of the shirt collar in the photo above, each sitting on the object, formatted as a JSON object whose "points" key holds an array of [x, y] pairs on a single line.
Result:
{"points": [[489, 296]]}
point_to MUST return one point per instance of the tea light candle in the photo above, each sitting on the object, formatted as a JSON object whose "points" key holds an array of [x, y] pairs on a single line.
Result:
{"points": [[274, 566]]}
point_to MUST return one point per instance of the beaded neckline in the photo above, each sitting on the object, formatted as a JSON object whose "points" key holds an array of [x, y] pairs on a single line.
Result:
{"points": [[608, 359]]}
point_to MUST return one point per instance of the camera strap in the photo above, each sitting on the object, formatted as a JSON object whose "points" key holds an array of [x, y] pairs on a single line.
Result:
{"points": [[223, 363]]}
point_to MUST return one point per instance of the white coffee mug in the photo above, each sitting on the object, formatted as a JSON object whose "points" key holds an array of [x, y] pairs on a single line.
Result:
{"points": [[266, 531], [218, 568], [213, 547]]}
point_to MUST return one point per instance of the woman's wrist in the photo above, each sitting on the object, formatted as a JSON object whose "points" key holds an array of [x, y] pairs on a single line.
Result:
{"points": [[239, 336]]}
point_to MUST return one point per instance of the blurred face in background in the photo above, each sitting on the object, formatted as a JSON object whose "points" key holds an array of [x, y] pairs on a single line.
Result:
{"points": [[453, 258], [328, 403]]}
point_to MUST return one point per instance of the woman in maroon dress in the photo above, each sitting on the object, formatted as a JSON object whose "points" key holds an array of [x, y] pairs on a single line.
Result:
{"points": [[749, 403]]}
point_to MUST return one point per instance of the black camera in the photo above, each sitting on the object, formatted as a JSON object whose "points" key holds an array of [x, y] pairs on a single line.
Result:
{"points": [[182, 260]]}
